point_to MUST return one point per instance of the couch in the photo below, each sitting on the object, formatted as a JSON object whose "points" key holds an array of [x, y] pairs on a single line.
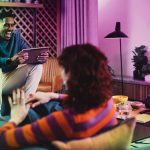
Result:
{"points": [[51, 77]]}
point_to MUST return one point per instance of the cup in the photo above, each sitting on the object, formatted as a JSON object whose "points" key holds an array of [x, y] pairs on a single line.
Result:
{"points": [[124, 110]]}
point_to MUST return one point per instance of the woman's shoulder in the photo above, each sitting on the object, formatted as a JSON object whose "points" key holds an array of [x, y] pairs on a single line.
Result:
{"points": [[69, 113]]}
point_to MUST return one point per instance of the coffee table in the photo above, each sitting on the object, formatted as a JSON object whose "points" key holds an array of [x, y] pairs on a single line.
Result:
{"points": [[142, 130]]}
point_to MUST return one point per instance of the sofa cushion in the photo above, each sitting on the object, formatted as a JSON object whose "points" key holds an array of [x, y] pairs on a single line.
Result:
{"points": [[118, 138]]}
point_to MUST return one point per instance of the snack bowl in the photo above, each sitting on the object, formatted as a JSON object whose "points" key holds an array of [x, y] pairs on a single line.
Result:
{"points": [[119, 99]]}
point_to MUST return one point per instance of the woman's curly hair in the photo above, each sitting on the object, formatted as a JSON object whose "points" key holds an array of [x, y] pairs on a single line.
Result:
{"points": [[89, 81]]}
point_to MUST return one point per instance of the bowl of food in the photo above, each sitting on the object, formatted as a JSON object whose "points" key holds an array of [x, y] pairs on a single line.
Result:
{"points": [[136, 104], [120, 99]]}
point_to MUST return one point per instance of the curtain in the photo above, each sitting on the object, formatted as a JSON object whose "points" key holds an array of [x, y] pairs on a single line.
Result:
{"points": [[79, 22]]}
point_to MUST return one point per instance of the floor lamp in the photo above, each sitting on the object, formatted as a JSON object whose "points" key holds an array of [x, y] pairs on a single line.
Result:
{"points": [[118, 34]]}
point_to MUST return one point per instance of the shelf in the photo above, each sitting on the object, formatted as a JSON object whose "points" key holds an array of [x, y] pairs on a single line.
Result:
{"points": [[25, 5]]}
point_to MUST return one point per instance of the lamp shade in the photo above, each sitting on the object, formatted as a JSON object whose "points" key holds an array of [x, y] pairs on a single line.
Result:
{"points": [[117, 33]]}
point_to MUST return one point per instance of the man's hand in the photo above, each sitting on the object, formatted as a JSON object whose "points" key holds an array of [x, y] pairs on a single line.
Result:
{"points": [[41, 98], [19, 109], [22, 57], [18, 59], [43, 57]]}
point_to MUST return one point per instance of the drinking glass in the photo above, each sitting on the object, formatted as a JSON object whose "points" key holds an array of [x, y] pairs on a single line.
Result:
{"points": [[124, 110]]}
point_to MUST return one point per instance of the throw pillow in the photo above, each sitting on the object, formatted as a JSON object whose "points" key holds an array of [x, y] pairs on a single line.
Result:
{"points": [[118, 138]]}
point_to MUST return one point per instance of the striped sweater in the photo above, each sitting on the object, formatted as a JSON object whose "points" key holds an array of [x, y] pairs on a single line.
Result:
{"points": [[60, 125]]}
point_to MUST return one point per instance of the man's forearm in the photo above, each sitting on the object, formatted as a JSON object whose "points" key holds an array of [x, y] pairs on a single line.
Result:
{"points": [[3, 61], [12, 62]]}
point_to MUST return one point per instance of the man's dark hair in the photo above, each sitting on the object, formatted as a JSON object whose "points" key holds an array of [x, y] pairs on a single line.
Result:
{"points": [[4, 14]]}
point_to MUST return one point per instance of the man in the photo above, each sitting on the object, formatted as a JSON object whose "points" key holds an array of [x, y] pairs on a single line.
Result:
{"points": [[14, 73]]}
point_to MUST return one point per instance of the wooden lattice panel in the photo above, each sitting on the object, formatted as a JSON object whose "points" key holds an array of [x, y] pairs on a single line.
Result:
{"points": [[38, 25], [47, 26], [25, 23]]}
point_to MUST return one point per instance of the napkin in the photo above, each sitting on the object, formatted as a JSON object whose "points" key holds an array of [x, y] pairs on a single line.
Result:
{"points": [[143, 118]]}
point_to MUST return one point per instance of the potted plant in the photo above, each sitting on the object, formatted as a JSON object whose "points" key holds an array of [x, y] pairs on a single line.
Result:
{"points": [[139, 59]]}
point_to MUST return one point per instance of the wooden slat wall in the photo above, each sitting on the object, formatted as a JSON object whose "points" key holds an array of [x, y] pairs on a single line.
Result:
{"points": [[133, 90], [51, 69]]}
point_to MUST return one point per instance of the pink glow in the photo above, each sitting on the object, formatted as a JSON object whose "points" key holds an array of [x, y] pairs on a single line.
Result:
{"points": [[102, 4]]}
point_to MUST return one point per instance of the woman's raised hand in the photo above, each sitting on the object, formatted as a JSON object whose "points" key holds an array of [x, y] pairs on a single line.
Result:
{"points": [[19, 109]]}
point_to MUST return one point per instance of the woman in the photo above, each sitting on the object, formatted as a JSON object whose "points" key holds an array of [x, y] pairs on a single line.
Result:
{"points": [[88, 107]]}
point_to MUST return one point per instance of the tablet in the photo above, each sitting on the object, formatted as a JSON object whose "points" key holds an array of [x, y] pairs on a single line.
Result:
{"points": [[34, 53]]}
